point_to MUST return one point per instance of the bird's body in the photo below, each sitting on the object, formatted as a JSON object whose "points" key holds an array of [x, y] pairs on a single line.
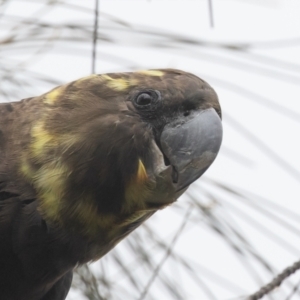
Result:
{"points": [[85, 164]]}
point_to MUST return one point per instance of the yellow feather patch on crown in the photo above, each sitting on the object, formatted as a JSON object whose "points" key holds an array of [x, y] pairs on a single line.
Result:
{"points": [[52, 96], [119, 84], [152, 72]]}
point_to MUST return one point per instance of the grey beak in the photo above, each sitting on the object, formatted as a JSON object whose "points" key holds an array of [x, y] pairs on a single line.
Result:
{"points": [[191, 144]]}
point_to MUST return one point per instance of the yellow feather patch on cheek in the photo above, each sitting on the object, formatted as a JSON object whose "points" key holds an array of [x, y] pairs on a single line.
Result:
{"points": [[49, 179], [152, 72], [44, 167], [50, 182], [141, 173], [137, 190], [118, 84], [42, 139]]}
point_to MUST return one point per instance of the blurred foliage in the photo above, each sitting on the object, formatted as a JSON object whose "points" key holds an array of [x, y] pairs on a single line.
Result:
{"points": [[147, 265]]}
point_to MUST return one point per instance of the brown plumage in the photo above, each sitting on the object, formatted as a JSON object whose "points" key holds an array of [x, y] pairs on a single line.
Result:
{"points": [[85, 164]]}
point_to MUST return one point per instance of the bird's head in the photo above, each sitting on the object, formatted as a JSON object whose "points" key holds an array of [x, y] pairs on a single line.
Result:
{"points": [[111, 149]]}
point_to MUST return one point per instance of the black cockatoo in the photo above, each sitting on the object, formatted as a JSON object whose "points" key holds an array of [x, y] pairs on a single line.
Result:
{"points": [[86, 163]]}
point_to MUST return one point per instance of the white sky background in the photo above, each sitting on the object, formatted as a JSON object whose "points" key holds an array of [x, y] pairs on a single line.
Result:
{"points": [[269, 68]]}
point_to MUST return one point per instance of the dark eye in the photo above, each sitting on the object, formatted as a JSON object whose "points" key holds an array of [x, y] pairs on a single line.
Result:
{"points": [[143, 99], [146, 98]]}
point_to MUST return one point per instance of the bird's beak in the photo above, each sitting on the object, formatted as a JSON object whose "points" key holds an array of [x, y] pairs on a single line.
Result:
{"points": [[191, 143]]}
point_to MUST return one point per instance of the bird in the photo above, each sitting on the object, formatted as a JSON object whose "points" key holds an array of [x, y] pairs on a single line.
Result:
{"points": [[86, 163]]}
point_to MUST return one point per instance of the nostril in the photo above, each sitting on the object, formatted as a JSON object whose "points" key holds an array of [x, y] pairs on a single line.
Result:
{"points": [[186, 113], [166, 160]]}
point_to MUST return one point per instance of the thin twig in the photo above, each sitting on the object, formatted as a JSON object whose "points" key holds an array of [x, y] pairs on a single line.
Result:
{"points": [[95, 35], [211, 15], [167, 254], [275, 282]]}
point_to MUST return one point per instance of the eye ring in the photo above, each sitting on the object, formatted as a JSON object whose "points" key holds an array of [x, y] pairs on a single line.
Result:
{"points": [[146, 98]]}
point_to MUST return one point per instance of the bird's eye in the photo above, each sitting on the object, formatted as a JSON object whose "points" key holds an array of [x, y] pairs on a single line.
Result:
{"points": [[143, 99], [146, 98]]}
